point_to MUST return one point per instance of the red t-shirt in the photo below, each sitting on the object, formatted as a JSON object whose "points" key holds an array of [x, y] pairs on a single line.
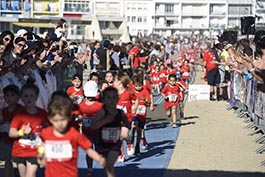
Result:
{"points": [[163, 76], [155, 77], [185, 72], [173, 93], [89, 112], [8, 117], [125, 103], [135, 52], [63, 163], [27, 147], [143, 96], [78, 94], [147, 85], [208, 57]]}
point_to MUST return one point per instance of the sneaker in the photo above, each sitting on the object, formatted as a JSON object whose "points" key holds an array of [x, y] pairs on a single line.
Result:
{"points": [[130, 149], [174, 125], [144, 144], [121, 158]]}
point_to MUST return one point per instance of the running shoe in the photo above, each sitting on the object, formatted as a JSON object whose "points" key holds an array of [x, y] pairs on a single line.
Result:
{"points": [[144, 144], [174, 125], [121, 158], [130, 149]]}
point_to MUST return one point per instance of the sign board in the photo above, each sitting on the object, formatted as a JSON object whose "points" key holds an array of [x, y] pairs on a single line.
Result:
{"points": [[199, 92]]}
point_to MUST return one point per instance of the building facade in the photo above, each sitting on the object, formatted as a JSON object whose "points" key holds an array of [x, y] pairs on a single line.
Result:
{"points": [[116, 19]]}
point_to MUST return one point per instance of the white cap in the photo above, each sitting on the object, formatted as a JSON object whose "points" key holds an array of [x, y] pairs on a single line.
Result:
{"points": [[91, 89], [21, 32]]}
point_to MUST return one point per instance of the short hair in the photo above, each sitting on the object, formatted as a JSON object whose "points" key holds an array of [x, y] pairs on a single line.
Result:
{"points": [[11, 88], [93, 74], [62, 107], [172, 76], [30, 86]]}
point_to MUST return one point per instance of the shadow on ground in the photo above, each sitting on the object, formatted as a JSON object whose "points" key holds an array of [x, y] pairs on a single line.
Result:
{"points": [[190, 173]]}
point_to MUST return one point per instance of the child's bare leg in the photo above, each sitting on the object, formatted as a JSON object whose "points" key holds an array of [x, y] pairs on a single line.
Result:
{"points": [[110, 160], [174, 114], [22, 169], [31, 169]]}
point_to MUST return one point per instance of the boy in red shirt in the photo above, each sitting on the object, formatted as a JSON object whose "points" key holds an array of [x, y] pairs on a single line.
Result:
{"points": [[61, 141], [75, 91], [172, 94], [139, 118]]}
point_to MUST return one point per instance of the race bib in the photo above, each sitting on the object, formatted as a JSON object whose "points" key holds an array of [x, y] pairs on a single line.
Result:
{"points": [[141, 109], [172, 97], [33, 141], [122, 108], [185, 74], [110, 134], [58, 150]]}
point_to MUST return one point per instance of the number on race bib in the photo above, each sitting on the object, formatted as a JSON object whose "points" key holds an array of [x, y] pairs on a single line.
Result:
{"points": [[110, 134], [58, 150], [172, 97]]}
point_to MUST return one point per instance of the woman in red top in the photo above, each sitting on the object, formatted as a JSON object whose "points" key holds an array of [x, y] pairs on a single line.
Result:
{"points": [[26, 127]]}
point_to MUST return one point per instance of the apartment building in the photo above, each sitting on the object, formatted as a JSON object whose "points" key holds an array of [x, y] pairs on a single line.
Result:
{"points": [[116, 19], [196, 15]]}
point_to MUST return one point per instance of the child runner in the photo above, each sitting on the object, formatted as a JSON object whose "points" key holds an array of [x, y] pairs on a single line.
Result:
{"points": [[61, 141], [11, 97], [126, 96], [75, 91], [114, 126], [146, 85], [171, 93], [155, 79], [88, 109], [139, 118], [26, 127]]}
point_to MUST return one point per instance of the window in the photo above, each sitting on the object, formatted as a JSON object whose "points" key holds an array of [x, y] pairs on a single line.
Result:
{"points": [[128, 18], [76, 5], [133, 19], [114, 5], [139, 20], [169, 8], [145, 32], [80, 30], [144, 19]]}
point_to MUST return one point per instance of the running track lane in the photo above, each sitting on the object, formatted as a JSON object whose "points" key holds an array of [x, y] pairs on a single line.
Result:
{"points": [[152, 162]]}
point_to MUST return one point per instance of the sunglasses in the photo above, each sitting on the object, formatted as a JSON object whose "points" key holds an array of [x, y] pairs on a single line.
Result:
{"points": [[7, 39]]}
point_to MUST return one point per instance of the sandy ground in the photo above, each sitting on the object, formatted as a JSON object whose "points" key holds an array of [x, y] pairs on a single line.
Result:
{"points": [[214, 142]]}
